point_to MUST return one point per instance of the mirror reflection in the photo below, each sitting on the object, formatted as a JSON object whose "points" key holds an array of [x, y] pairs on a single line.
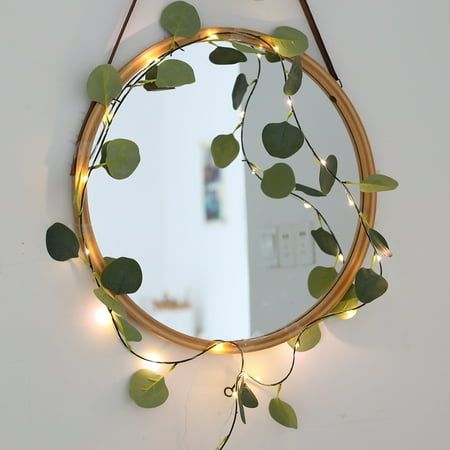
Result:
{"points": [[220, 259]]}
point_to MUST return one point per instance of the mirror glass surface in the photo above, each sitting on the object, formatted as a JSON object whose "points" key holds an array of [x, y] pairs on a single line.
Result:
{"points": [[220, 259]]}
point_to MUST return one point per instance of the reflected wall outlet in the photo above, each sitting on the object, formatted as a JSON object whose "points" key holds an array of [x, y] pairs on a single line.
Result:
{"points": [[286, 248]]}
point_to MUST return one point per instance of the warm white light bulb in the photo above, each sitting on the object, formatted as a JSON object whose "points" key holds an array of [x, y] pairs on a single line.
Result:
{"points": [[307, 205], [276, 49], [323, 162], [350, 201], [102, 317], [378, 258], [289, 102], [341, 257], [242, 114], [153, 366], [259, 56], [213, 37]]}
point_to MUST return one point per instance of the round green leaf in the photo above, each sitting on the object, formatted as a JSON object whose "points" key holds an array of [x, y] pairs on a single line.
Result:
{"points": [[369, 285], [174, 73], [278, 181], [326, 178], [272, 57], [380, 242], [282, 140], [309, 338], [148, 389], [121, 158], [378, 183], [349, 302], [239, 90], [320, 280], [122, 276], [128, 331], [110, 302], [224, 150], [104, 84], [226, 55], [295, 77], [150, 81], [326, 242], [244, 48], [283, 413], [247, 397], [62, 243], [180, 19], [309, 190], [289, 41]]}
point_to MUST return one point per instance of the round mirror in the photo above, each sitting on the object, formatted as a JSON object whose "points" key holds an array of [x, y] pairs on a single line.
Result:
{"points": [[220, 258]]}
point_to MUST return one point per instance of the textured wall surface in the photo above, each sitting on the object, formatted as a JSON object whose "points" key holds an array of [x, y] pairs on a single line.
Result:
{"points": [[377, 382]]}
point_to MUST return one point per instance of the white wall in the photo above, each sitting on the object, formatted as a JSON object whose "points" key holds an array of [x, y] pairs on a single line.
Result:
{"points": [[377, 382]]}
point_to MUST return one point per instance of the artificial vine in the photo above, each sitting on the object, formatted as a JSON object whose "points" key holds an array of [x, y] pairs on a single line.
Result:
{"points": [[120, 158]]}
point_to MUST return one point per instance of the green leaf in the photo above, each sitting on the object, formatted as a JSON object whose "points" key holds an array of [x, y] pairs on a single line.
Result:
{"points": [[62, 243], [180, 19], [224, 150], [320, 280], [247, 48], [110, 302], [272, 57], [122, 276], [326, 179], [289, 41], [174, 73], [309, 190], [247, 396], [309, 338], [349, 302], [108, 260], [295, 77], [152, 75], [283, 413], [239, 90], [128, 331], [148, 389], [121, 158], [278, 181], [104, 84], [282, 140], [241, 410], [369, 285], [226, 55], [326, 242], [379, 242], [378, 183]]}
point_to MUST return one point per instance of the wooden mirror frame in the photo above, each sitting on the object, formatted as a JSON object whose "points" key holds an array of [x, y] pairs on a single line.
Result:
{"points": [[363, 155]]}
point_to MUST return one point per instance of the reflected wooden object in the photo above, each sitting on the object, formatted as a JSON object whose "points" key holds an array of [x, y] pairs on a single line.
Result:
{"points": [[366, 167]]}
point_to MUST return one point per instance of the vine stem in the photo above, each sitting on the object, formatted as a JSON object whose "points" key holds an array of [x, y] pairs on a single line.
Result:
{"points": [[112, 111]]}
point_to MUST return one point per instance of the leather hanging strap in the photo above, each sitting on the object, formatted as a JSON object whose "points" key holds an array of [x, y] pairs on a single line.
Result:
{"points": [[110, 60], [320, 43]]}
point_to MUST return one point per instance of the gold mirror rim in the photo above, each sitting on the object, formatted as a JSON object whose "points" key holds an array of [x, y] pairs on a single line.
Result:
{"points": [[368, 201]]}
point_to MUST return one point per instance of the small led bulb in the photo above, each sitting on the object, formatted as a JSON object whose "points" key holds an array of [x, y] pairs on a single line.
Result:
{"points": [[259, 56], [242, 114], [378, 258], [323, 162], [307, 205], [341, 257], [350, 201], [289, 102], [276, 49]]}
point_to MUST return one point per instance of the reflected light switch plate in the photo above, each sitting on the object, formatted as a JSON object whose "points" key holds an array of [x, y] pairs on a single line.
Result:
{"points": [[286, 248], [304, 248], [268, 247]]}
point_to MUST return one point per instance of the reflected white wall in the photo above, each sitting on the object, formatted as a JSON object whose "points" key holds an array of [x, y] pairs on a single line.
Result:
{"points": [[157, 216]]}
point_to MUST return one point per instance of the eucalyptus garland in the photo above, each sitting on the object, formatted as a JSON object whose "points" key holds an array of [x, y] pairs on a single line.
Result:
{"points": [[120, 158]]}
